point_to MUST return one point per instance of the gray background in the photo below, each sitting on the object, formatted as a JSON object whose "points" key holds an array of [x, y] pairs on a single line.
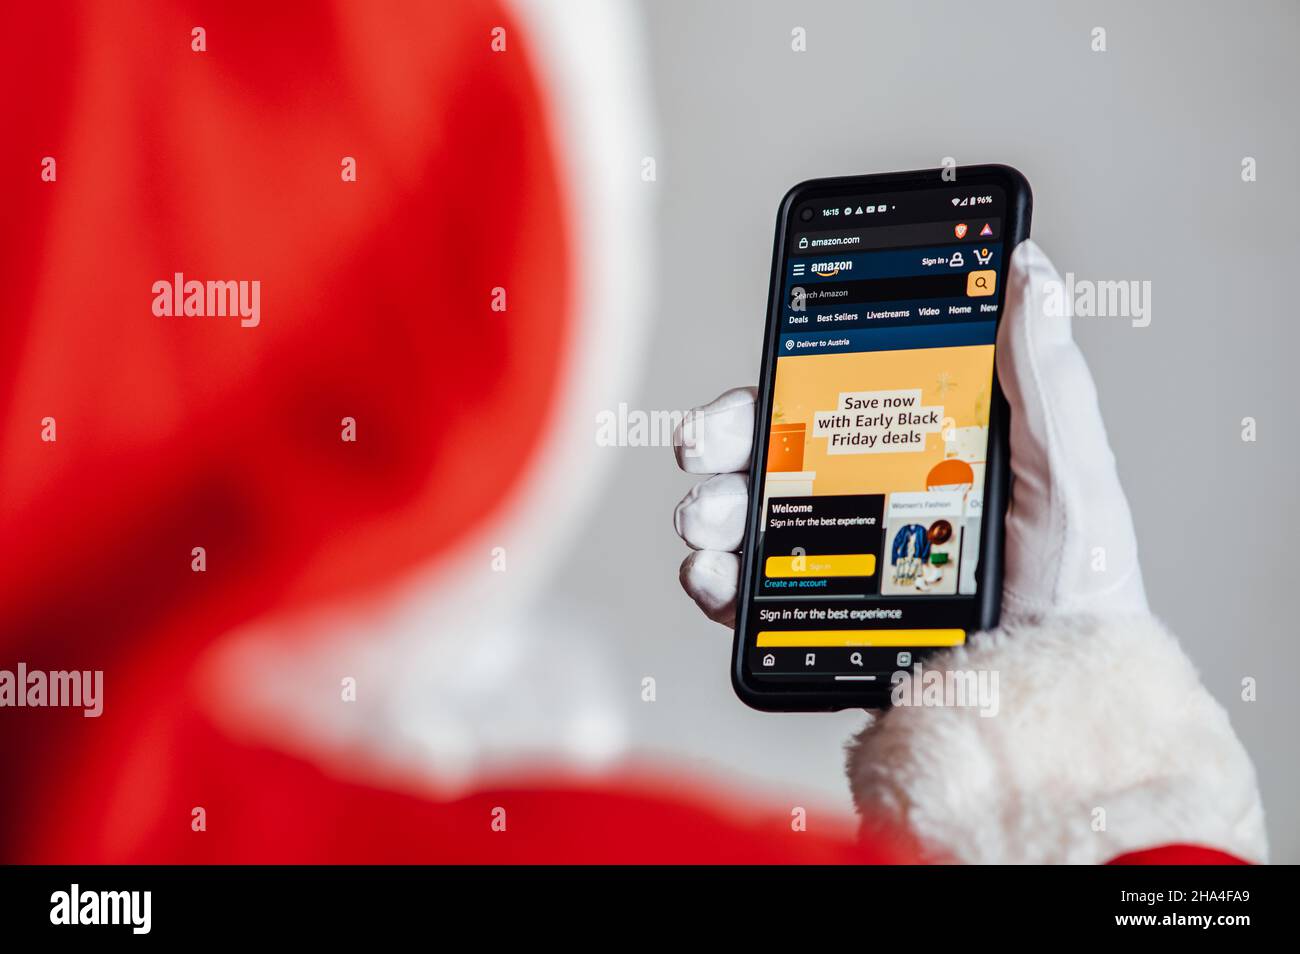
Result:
{"points": [[1134, 156]]}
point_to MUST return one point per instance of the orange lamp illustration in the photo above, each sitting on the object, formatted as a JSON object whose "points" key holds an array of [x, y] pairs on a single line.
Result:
{"points": [[950, 474], [785, 447]]}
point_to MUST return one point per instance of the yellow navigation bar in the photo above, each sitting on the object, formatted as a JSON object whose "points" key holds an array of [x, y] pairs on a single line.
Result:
{"points": [[862, 637]]}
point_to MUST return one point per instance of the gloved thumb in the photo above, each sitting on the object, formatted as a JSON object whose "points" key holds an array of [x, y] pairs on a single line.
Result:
{"points": [[1070, 540]]}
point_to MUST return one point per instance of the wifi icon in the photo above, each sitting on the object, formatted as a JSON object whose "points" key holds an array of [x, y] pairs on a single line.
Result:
{"points": [[955, 201]]}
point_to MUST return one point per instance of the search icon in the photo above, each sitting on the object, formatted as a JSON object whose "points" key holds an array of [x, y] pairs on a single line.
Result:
{"points": [[856, 659], [981, 283]]}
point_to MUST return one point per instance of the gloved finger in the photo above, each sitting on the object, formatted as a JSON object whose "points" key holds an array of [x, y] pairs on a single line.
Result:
{"points": [[711, 578], [717, 438], [712, 515], [1070, 539]]}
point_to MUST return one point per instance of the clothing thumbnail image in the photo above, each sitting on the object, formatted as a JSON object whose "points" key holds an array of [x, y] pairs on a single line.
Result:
{"points": [[923, 541]]}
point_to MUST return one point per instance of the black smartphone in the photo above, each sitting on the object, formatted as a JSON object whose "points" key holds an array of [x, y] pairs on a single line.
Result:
{"points": [[878, 487]]}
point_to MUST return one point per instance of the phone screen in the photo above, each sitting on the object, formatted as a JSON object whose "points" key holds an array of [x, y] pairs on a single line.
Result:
{"points": [[873, 461]]}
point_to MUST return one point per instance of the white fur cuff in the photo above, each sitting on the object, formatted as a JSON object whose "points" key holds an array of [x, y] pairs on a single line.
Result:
{"points": [[1101, 741]]}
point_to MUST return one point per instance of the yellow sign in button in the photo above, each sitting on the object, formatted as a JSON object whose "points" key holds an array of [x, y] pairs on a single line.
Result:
{"points": [[821, 564], [862, 637]]}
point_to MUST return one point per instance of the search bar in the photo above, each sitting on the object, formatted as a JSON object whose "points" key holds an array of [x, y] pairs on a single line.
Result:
{"points": [[954, 284]]}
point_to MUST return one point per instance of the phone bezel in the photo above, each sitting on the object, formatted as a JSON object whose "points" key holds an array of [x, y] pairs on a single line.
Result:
{"points": [[989, 575]]}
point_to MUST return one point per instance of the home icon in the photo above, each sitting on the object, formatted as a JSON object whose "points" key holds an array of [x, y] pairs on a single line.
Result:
{"points": [[769, 660]]}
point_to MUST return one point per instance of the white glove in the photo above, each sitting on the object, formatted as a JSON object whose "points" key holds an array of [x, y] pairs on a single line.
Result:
{"points": [[1099, 708]]}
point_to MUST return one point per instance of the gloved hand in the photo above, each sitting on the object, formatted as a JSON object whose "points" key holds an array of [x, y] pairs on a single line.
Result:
{"points": [[1099, 708]]}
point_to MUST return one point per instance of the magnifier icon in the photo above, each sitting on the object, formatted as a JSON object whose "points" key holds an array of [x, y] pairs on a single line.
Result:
{"points": [[856, 659], [981, 283]]}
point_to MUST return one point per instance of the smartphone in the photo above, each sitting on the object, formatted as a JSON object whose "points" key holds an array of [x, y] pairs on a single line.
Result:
{"points": [[880, 467]]}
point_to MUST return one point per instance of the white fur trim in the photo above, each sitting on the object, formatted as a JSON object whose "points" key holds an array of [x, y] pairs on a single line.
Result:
{"points": [[1093, 713]]}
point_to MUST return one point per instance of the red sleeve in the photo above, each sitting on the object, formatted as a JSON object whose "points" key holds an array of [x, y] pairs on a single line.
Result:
{"points": [[1178, 855], [135, 805]]}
